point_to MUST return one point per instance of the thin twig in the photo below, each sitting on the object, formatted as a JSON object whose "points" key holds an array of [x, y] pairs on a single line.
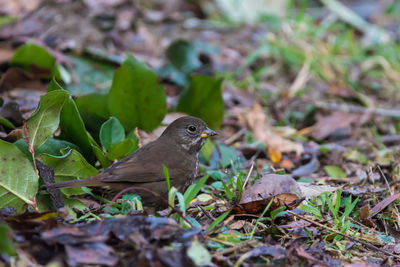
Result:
{"points": [[344, 235], [248, 176], [208, 215], [395, 113], [386, 180], [248, 242], [235, 136]]}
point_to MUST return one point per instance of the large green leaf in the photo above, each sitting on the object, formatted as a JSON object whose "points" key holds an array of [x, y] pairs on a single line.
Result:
{"points": [[94, 111], [51, 146], [183, 56], [94, 104], [72, 165], [30, 54], [18, 179], [44, 121], [72, 126], [203, 99], [136, 97], [91, 76]]}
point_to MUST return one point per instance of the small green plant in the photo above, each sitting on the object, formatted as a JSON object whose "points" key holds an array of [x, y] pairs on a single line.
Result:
{"points": [[340, 209]]}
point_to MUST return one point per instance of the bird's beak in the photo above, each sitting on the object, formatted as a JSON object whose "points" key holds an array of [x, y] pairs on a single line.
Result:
{"points": [[207, 133]]}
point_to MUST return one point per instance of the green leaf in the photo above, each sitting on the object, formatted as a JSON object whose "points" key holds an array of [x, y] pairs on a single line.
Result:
{"points": [[216, 174], [335, 172], [30, 54], [121, 149], [94, 111], [7, 123], [44, 121], [72, 126], [386, 238], [310, 209], [183, 56], [207, 150], [92, 76], [102, 158], [111, 133], [61, 74], [72, 165], [357, 156], [6, 245], [52, 146], [55, 147], [203, 99], [218, 220], [193, 190], [18, 179], [228, 154], [94, 104], [136, 97], [167, 178], [199, 254]]}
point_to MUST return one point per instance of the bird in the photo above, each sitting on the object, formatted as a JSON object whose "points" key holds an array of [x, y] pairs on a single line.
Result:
{"points": [[177, 148]]}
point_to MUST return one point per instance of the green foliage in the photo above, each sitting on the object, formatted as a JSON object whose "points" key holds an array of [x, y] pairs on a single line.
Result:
{"points": [[220, 219], [203, 99], [18, 179], [72, 165], [193, 190], [111, 133], [130, 202], [136, 97], [6, 245], [120, 150], [341, 209], [335, 172], [167, 178], [183, 56], [227, 154], [199, 254], [7, 123], [72, 126], [94, 76], [30, 54], [44, 121]]}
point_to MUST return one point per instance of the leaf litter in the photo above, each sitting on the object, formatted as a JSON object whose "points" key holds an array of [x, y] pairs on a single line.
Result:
{"points": [[297, 194]]}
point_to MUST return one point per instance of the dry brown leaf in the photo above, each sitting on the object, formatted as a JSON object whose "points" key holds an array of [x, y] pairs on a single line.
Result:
{"points": [[256, 120], [282, 188], [327, 125], [383, 204]]}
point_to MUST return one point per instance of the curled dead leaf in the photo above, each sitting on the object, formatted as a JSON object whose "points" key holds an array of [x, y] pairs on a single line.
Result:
{"points": [[256, 120]]}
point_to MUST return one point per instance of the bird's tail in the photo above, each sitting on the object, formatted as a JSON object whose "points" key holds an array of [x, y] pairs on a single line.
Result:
{"points": [[92, 181]]}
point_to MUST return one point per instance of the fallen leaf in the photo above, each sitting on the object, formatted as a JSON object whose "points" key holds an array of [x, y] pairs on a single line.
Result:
{"points": [[270, 185], [281, 188], [383, 204], [328, 125], [263, 132]]}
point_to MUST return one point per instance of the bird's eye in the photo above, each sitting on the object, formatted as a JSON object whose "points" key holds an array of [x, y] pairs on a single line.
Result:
{"points": [[192, 128]]}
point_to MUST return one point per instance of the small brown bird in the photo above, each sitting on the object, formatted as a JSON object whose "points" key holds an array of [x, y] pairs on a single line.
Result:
{"points": [[177, 148]]}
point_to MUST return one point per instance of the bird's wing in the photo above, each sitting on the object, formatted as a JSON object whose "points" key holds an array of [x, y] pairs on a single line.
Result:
{"points": [[144, 165]]}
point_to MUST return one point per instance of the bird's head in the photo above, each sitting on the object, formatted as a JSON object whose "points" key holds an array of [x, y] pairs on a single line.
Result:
{"points": [[188, 132]]}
